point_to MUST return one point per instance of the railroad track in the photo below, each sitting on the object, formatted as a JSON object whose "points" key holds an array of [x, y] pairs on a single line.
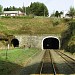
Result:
{"points": [[68, 60], [47, 64]]}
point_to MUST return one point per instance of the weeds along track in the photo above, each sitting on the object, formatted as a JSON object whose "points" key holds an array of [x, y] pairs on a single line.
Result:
{"points": [[47, 64], [68, 60]]}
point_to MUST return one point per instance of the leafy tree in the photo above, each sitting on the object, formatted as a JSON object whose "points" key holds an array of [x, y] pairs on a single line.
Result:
{"points": [[11, 8], [60, 13], [38, 9], [28, 10], [57, 14], [72, 12], [1, 9]]}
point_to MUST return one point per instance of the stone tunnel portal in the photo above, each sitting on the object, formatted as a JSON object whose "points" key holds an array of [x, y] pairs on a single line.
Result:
{"points": [[15, 42], [51, 43]]}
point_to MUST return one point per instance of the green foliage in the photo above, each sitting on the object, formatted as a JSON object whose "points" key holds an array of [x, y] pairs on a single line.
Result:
{"points": [[38, 9], [69, 40], [71, 49], [1, 9], [12, 8], [67, 20], [5, 16], [72, 12], [56, 21], [57, 14], [16, 58], [72, 27], [18, 17]]}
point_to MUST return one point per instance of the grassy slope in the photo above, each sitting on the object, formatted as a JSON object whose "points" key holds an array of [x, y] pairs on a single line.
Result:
{"points": [[16, 59], [30, 26]]}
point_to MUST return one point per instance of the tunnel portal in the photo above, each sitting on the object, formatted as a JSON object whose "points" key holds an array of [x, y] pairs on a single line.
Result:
{"points": [[15, 42], [51, 43]]}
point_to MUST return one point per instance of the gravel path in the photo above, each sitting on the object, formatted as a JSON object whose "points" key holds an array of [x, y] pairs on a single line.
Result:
{"points": [[63, 68]]}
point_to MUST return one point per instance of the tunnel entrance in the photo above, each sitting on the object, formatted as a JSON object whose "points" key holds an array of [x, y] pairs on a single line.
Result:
{"points": [[51, 43], [15, 42]]}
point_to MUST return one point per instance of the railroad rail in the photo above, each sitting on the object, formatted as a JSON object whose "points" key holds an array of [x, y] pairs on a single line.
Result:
{"points": [[68, 60], [47, 64]]}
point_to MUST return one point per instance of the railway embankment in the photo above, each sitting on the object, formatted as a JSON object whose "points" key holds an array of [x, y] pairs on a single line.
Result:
{"points": [[68, 38]]}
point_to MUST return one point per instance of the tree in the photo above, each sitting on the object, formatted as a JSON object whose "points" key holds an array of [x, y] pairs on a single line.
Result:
{"points": [[72, 12], [57, 14], [38, 9], [1, 9], [60, 13], [28, 10]]}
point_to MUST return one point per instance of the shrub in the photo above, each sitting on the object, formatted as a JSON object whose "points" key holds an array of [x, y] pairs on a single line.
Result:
{"points": [[55, 23], [67, 19], [27, 17], [71, 49], [6, 17], [72, 27]]}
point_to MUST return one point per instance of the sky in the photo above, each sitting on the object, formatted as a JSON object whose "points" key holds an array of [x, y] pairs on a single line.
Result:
{"points": [[52, 5]]}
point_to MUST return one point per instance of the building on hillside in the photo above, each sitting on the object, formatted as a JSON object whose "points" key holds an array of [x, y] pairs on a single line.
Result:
{"points": [[65, 14], [12, 13]]}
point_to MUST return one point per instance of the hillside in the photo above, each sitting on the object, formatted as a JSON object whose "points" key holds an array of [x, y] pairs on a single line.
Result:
{"points": [[31, 26]]}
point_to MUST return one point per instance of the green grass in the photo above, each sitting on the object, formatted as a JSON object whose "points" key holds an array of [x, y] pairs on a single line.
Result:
{"points": [[18, 55], [15, 59]]}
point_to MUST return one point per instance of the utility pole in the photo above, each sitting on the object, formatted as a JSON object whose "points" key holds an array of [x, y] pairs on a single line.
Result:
{"points": [[25, 10]]}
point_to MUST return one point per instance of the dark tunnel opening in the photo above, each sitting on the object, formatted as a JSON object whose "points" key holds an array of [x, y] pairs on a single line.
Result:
{"points": [[50, 43], [15, 42]]}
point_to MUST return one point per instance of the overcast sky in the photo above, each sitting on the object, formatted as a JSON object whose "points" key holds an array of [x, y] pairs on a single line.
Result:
{"points": [[52, 5]]}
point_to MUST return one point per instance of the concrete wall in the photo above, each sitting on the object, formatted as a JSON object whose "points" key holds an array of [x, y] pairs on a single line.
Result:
{"points": [[34, 40]]}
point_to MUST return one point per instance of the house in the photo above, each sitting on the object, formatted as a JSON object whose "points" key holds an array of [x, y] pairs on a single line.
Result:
{"points": [[12, 13], [65, 14]]}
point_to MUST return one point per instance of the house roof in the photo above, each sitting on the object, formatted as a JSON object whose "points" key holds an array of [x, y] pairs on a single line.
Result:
{"points": [[12, 12]]}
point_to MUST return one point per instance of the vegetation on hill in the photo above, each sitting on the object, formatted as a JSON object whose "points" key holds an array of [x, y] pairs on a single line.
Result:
{"points": [[69, 37], [32, 26]]}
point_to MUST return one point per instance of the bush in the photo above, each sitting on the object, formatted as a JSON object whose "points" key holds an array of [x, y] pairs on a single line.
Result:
{"points": [[72, 27], [71, 49], [27, 17], [6, 17], [67, 19], [55, 23]]}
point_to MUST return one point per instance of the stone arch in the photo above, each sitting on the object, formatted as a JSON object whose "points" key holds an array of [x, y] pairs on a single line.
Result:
{"points": [[15, 42], [51, 42]]}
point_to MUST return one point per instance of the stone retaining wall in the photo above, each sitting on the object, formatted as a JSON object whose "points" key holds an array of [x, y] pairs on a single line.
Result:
{"points": [[34, 40]]}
